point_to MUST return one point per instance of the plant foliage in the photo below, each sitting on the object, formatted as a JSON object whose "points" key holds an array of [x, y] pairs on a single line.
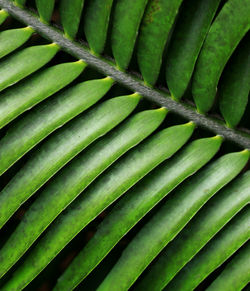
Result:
{"points": [[79, 149]]}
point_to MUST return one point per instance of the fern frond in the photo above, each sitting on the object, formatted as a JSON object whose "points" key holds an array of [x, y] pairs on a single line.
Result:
{"points": [[73, 154]]}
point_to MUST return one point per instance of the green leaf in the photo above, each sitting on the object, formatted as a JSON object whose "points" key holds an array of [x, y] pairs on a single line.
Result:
{"points": [[227, 30], [215, 214], [127, 18], [47, 117], [23, 63], [3, 15], [74, 178], [120, 177], [106, 171], [40, 86], [20, 3], [70, 13], [235, 276], [188, 36], [171, 218], [221, 247], [156, 25], [11, 39], [96, 24], [234, 86], [135, 204], [45, 9], [60, 148]]}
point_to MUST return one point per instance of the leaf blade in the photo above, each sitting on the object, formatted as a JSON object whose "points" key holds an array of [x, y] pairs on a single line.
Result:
{"points": [[127, 18], [224, 244], [175, 213], [80, 211], [60, 148], [217, 48], [210, 219], [74, 179], [134, 205], [157, 22], [70, 16], [24, 63]]}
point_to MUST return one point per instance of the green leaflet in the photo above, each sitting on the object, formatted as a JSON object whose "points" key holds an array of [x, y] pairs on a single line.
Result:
{"points": [[47, 117], [45, 9], [171, 218], [99, 195], [3, 15], [74, 178], [13, 38], [20, 2], [157, 22], [220, 248], [235, 276], [38, 87], [60, 148], [234, 86], [190, 31], [135, 204], [70, 12], [127, 18], [227, 30], [215, 214], [96, 24], [74, 161], [23, 63]]}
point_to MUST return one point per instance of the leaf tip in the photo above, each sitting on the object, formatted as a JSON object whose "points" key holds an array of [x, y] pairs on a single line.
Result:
{"points": [[246, 152], [191, 124], [109, 79], [28, 29], [136, 94], [54, 45], [3, 12], [218, 137], [81, 63]]}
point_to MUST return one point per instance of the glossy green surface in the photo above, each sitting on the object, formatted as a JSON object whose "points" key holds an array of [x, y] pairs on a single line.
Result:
{"points": [[71, 162], [70, 14], [96, 24], [127, 18], [234, 86], [171, 218], [60, 148], [227, 30], [198, 232], [47, 117], [157, 22], [23, 63], [20, 2], [217, 251], [235, 276], [188, 36], [3, 16], [73, 179], [135, 204], [45, 10], [37, 88], [11, 39], [108, 187]]}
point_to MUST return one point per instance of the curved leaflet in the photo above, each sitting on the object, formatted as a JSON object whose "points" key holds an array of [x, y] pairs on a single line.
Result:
{"points": [[99, 195], [157, 22], [60, 148], [74, 178], [219, 45], [135, 204]]}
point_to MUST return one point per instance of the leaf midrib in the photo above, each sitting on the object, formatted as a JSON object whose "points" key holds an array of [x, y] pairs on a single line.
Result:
{"points": [[107, 68]]}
